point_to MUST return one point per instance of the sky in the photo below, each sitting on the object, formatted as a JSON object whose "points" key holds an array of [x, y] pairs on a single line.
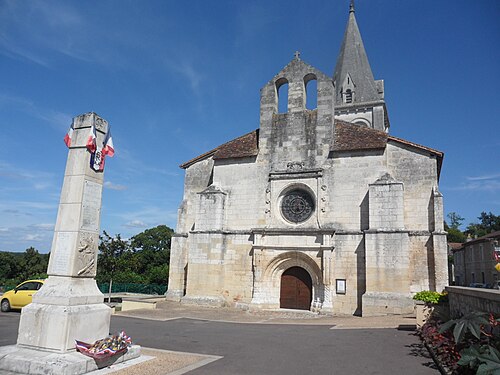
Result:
{"points": [[177, 78]]}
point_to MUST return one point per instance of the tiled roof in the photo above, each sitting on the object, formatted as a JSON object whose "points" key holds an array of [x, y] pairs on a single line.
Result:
{"points": [[244, 146], [349, 137], [454, 246]]}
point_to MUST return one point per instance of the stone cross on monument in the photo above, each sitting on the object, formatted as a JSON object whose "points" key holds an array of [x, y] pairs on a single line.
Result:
{"points": [[69, 306]]}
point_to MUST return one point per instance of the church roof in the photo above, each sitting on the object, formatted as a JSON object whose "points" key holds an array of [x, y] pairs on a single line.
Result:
{"points": [[244, 146], [350, 137], [347, 137], [353, 60]]}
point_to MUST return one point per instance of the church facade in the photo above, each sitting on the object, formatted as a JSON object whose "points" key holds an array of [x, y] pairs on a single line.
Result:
{"points": [[318, 209]]}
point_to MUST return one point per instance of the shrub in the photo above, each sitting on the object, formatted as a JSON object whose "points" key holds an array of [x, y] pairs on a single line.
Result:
{"points": [[428, 296], [467, 345]]}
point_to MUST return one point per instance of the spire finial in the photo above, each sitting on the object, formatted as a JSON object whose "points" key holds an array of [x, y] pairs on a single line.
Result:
{"points": [[297, 55], [351, 7]]}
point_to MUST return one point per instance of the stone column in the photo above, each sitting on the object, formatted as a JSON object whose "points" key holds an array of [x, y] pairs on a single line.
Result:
{"points": [[440, 245], [69, 306]]}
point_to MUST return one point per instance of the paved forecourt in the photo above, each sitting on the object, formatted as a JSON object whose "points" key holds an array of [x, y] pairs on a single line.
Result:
{"points": [[275, 342]]}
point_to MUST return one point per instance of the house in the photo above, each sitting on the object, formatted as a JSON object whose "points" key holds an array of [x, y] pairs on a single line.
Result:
{"points": [[476, 261]]}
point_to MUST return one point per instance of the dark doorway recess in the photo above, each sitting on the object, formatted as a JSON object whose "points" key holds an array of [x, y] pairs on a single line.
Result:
{"points": [[296, 289]]}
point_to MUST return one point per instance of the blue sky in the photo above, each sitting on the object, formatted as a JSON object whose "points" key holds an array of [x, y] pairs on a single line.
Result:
{"points": [[177, 78]]}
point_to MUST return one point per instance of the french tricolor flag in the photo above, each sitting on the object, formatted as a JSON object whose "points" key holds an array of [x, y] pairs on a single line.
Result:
{"points": [[69, 135], [91, 141], [107, 146]]}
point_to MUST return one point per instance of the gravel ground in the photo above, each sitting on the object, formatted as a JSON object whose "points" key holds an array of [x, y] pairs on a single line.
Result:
{"points": [[163, 362]]}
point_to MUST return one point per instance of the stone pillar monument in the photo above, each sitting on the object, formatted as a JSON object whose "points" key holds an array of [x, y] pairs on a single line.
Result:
{"points": [[69, 305]]}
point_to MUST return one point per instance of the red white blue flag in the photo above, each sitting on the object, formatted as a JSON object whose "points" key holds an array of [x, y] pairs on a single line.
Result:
{"points": [[107, 147], [91, 140], [98, 156], [69, 135]]}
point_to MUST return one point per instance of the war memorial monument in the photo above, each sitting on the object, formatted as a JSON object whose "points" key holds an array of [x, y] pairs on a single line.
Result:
{"points": [[69, 306]]}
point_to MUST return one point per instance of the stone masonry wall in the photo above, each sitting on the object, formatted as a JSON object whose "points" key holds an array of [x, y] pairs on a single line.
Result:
{"points": [[464, 300], [418, 172]]}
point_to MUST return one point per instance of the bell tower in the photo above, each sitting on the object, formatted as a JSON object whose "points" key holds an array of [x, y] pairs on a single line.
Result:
{"points": [[296, 134], [359, 98]]}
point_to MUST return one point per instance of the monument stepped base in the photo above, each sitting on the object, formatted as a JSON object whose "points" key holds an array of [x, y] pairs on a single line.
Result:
{"points": [[17, 360]]}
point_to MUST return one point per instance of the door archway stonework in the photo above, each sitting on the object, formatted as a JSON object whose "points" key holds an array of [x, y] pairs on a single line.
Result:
{"points": [[268, 276]]}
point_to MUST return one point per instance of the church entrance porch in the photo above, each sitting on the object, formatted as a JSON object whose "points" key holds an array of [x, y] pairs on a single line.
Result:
{"points": [[289, 279], [296, 289]]}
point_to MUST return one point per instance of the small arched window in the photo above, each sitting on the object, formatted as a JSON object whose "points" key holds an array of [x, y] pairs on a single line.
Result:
{"points": [[311, 84], [282, 92]]}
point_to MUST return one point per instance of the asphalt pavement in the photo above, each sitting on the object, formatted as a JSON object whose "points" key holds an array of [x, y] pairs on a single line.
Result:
{"points": [[253, 348]]}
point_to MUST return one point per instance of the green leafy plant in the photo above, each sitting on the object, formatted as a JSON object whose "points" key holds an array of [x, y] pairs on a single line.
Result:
{"points": [[478, 334], [485, 358], [428, 296], [471, 322]]}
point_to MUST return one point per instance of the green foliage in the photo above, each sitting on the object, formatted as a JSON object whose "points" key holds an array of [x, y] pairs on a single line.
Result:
{"points": [[485, 358], [155, 239], [142, 260], [488, 223], [471, 322], [479, 335], [455, 235], [455, 220], [18, 267], [428, 296]]}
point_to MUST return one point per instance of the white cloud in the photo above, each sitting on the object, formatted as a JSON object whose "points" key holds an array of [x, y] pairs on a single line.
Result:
{"points": [[135, 224], [484, 177], [112, 186], [188, 71], [35, 237], [44, 226], [57, 120], [480, 185]]}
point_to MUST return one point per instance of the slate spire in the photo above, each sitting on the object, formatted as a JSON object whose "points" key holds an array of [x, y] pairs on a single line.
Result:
{"points": [[352, 71]]}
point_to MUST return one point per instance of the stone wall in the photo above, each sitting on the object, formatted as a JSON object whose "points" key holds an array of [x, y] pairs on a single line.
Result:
{"points": [[464, 300]]}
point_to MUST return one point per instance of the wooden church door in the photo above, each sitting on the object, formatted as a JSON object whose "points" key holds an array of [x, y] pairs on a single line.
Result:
{"points": [[296, 289]]}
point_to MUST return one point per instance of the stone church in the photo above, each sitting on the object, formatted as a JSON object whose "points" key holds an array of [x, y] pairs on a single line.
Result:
{"points": [[318, 209]]}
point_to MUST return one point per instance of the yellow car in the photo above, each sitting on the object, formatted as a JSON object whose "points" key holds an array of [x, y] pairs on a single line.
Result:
{"points": [[20, 296]]}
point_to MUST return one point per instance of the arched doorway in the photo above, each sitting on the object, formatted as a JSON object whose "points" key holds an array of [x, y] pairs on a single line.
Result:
{"points": [[296, 289]]}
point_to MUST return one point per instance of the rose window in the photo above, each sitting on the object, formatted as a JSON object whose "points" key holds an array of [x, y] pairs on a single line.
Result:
{"points": [[297, 206]]}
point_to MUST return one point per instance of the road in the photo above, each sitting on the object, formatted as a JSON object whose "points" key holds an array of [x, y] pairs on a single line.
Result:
{"points": [[251, 349]]}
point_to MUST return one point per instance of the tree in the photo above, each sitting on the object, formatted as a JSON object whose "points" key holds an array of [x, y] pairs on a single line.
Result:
{"points": [[152, 249], [142, 260], [110, 250], [455, 220], [154, 239], [488, 223], [454, 233]]}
